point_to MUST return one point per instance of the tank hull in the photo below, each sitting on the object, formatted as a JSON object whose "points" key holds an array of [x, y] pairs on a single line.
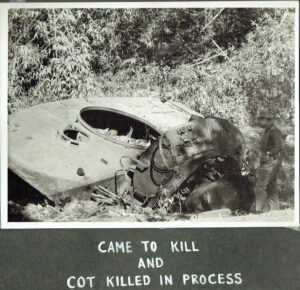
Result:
{"points": [[40, 153]]}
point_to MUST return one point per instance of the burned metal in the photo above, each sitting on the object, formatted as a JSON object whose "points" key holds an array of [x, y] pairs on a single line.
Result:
{"points": [[141, 148], [187, 158], [49, 142]]}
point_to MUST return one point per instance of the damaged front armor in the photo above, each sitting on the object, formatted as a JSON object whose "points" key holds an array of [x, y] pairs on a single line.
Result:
{"points": [[176, 168]]}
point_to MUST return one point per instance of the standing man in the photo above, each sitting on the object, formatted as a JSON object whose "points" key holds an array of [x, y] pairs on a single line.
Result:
{"points": [[266, 191]]}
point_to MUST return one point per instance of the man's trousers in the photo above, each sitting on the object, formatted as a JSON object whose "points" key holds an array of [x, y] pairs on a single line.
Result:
{"points": [[266, 189]]}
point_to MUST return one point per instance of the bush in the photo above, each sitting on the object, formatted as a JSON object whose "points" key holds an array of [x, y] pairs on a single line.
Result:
{"points": [[56, 54], [259, 75], [49, 60]]}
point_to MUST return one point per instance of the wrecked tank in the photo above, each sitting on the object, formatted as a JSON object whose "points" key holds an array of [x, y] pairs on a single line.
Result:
{"points": [[199, 165], [63, 148], [66, 149]]}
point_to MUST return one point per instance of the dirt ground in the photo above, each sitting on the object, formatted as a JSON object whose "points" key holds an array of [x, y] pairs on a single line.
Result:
{"points": [[88, 211], [32, 209]]}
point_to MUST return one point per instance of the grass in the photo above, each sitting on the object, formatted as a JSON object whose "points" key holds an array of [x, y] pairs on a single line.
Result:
{"points": [[88, 211]]}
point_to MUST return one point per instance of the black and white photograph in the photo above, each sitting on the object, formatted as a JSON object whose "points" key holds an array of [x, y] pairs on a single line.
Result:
{"points": [[149, 145], [152, 116]]}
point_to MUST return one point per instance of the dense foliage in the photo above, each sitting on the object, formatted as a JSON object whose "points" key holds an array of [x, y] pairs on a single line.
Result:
{"points": [[227, 62]]}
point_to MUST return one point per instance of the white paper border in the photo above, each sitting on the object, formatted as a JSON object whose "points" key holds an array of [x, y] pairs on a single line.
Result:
{"points": [[175, 224]]}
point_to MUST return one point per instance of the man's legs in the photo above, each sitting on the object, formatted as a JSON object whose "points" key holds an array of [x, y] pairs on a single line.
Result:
{"points": [[272, 190], [266, 193], [273, 196]]}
